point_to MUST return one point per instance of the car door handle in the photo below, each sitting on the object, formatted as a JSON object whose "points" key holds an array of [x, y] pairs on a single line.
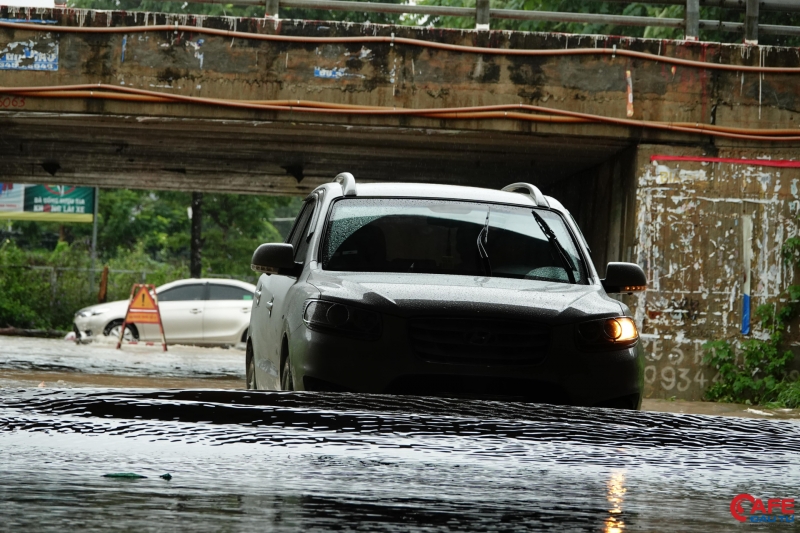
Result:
{"points": [[269, 305], [195, 311]]}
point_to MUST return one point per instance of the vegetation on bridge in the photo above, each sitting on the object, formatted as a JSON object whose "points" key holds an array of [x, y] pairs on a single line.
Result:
{"points": [[567, 6]]}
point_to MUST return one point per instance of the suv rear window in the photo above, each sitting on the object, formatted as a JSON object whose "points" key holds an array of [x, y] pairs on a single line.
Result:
{"points": [[441, 237]]}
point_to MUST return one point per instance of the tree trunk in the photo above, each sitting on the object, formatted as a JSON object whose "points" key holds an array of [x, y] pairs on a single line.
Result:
{"points": [[102, 294], [195, 263]]}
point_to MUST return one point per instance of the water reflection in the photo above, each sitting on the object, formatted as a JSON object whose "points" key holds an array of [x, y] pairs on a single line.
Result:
{"points": [[615, 494]]}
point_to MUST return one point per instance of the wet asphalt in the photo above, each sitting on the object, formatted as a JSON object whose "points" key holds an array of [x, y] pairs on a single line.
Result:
{"points": [[245, 461]]}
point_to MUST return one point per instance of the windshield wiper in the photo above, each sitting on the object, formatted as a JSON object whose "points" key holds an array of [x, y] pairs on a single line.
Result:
{"points": [[483, 239], [551, 237]]}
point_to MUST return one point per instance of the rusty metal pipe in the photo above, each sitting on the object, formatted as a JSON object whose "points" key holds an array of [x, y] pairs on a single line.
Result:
{"points": [[506, 111]]}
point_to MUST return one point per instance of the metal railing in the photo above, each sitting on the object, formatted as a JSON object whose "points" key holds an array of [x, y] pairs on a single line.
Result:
{"points": [[483, 13]]}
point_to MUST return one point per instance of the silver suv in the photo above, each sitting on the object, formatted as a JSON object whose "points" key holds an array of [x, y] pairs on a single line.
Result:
{"points": [[400, 288]]}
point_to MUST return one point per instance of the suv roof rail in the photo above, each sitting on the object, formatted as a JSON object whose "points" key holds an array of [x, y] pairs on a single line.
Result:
{"points": [[348, 183], [531, 190]]}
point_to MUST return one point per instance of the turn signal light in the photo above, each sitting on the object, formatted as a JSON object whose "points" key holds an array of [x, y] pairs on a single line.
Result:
{"points": [[608, 334], [633, 288]]}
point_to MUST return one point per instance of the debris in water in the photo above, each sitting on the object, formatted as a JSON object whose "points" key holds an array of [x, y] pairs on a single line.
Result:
{"points": [[166, 476]]}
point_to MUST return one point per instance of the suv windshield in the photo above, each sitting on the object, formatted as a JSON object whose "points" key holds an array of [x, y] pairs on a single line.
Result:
{"points": [[448, 237]]}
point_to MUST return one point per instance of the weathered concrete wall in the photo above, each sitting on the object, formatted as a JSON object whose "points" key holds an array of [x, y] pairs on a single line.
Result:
{"points": [[692, 222]]}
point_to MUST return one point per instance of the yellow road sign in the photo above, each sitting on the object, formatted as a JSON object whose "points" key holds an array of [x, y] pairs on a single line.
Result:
{"points": [[142, 301]]}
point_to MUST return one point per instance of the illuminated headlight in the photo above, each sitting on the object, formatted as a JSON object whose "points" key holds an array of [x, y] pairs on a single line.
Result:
{"points": [[85, 313], [339, 318], [608, 334]]}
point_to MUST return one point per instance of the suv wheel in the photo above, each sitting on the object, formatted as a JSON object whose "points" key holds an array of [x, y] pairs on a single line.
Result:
{"points": [[251, 369], [287, 383]]}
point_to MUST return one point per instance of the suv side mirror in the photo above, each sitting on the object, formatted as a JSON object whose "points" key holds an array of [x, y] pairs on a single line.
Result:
{"points": [[271, 257], [624, 277]]}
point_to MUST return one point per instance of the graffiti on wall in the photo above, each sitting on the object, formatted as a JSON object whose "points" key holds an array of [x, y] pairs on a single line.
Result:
{"points": [[29, 55], [710, 231]]}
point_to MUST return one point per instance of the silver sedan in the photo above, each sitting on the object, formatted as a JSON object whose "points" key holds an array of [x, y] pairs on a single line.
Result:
{"points": [[193, 311]]}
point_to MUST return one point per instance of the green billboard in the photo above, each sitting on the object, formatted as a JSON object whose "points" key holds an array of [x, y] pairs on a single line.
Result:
{"points": [[53, 203]]}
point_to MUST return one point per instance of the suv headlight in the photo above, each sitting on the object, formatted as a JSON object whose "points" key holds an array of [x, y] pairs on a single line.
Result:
{"points": [[339, 318], [608, 334]]}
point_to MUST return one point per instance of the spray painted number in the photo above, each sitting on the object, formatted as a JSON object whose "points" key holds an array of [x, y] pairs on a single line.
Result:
{"points": [[12, 101], [679, 378], [700, 379], [670, 378]]}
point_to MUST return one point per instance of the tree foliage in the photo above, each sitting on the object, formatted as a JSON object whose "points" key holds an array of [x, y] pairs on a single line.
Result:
{"points": [[142, 236]]}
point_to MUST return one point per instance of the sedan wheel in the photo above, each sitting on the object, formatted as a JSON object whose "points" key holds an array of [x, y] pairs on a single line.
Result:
{"points": [[287, 383], [112, 330]]}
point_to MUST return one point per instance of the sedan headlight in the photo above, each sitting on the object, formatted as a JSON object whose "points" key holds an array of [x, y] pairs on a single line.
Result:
{"points": [[84, 313], [339, 318], [608, 333]]}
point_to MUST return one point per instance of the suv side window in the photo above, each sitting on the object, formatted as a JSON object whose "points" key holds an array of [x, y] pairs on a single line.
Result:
{"points": [[296, 228], [300, 239]]}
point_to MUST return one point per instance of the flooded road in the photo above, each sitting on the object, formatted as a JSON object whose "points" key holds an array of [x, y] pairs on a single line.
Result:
{"points": [[245, 461], [27, 362], [310, 461]]}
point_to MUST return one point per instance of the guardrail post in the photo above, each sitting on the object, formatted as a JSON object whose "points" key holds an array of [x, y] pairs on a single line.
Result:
{"points": [[482, 15], [751, 22], [692, 19], [272, 8]]}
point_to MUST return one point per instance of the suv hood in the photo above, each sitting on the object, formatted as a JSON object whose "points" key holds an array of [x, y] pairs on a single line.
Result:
{"points": [[413, 294]]}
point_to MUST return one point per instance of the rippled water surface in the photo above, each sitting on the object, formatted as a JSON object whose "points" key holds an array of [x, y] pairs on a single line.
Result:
{"points": [[243, 461]]}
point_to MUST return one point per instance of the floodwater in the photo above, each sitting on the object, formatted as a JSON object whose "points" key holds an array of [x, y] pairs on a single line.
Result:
{"points": [[246, 461]]}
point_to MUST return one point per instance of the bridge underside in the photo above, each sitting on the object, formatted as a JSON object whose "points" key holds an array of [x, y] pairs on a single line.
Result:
{"points": [[269, 157]]}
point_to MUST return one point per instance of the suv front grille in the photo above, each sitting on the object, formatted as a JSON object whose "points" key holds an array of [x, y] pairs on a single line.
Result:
{"points": [[478, 341]]}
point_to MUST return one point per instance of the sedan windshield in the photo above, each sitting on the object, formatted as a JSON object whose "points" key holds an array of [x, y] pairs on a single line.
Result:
{"points": [[449, 237]]}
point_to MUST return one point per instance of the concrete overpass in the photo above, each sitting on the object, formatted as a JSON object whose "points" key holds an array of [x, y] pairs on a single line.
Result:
{"points": [[211, 147], [664, 150]]}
